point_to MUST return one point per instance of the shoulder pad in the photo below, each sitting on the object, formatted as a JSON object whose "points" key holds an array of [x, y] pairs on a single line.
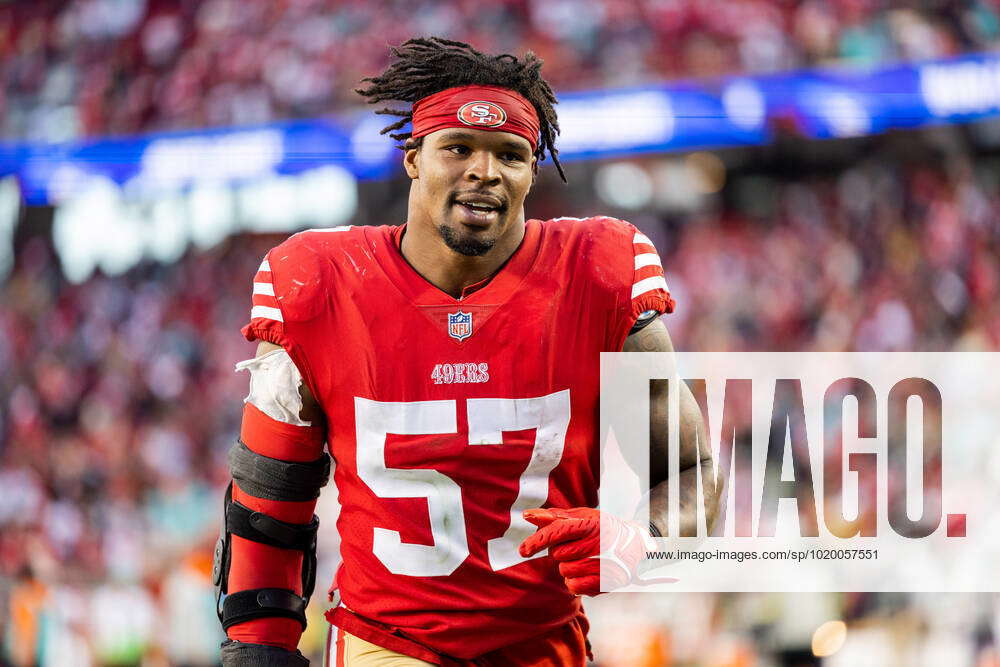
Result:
{"points": [[294, 281], [302, 269], [623, 259]]}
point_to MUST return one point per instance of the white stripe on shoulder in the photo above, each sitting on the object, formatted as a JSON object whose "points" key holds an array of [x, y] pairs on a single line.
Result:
{"points": [[647, 259], [265, 265], [267, 312], [342, 228], [268, 288], [648, 285], [567, 217], [641, 238]]}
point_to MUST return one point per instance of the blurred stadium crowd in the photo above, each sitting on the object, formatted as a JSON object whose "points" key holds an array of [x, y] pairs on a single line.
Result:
{"points": [[116, 67], [118, 398]]}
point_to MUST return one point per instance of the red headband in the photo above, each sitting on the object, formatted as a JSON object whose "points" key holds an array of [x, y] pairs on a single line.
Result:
{"points": [[480, 107]]}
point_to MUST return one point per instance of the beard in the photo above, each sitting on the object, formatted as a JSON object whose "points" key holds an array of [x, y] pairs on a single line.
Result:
{"points": [[465, 244]]}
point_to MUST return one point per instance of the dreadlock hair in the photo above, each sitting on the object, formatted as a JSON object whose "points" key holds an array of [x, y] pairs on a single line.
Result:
{"points": [[425, 66]]}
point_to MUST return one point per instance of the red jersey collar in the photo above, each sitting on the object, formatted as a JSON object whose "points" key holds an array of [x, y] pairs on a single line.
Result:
{"points": [[494, 289]]}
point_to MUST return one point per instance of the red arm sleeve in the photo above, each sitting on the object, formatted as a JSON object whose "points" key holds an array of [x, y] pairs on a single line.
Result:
{"points": [[255, 565]]}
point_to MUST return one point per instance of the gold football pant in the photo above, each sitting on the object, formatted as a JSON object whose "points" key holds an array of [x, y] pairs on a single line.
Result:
{"points": [[351, 651]]}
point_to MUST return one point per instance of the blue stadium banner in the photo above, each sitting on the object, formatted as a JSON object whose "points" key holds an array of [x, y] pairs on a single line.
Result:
{"points": [[828, 104], [152, 163], [733, 111]]}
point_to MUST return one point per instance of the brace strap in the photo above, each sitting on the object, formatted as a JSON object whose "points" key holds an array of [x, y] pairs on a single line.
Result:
{"points": [[273, 479]]}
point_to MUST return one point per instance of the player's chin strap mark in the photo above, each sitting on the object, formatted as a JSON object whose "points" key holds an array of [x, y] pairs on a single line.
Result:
{"points": [[264, 477], [645, 318]]}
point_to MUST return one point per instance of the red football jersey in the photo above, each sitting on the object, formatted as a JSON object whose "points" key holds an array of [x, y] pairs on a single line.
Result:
{"points": [[449, 417]]}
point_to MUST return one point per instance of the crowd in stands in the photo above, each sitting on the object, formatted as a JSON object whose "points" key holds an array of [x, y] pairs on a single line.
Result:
{"points": [[98, 67], [119, 398]]}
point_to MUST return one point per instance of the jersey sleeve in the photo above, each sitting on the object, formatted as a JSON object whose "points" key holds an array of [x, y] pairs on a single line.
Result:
{"points": [[289, 295], [267, 322], [635, 277], [648, 290]]}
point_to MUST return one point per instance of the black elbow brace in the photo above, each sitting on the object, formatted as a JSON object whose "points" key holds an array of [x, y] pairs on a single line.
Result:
{"points": [[271, 479]]}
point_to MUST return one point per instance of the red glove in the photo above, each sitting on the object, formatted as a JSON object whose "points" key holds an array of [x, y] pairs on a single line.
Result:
{"points": [[573, 538]]}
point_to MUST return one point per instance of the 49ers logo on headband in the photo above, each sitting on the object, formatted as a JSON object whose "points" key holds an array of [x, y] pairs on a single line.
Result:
{"points": [[482, 114]]}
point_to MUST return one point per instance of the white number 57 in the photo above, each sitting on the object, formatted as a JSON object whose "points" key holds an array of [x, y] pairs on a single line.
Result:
{"points": [[488, 418]]}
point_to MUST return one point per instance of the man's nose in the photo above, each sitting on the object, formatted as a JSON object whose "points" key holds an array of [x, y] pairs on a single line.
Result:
{"points": [[483, 166]]}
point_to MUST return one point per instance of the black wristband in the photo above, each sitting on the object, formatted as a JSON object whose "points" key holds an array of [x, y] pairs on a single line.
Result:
{"points": [[645, 318], [242, 654]]}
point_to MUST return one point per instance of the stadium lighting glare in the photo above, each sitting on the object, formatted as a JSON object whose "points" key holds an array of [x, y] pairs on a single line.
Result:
{"points": [[615, 121], [133, 223], [10, 208], [676, 186], [624, 185], [956, 89], [829, 638], [745, 104], [708, 172]]}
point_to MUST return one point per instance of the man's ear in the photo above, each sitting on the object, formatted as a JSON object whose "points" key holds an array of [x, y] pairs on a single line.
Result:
{"points": [[410, 161], [534, 169]]}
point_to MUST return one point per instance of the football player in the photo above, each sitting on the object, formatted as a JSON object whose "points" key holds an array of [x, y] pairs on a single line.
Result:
{"points": [[451, 366]]}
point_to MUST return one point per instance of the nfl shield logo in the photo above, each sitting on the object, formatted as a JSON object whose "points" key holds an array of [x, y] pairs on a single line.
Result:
{"points": [[460, 325]]}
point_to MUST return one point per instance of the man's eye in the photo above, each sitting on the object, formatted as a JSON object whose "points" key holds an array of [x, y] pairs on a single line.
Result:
{"points": [[459, 149], [512, 157]]}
